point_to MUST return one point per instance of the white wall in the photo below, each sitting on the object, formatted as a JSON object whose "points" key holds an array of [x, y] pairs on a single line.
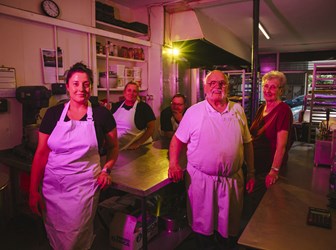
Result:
{"points": [[179, 32], [76, 11], [22, 40], [155, 57]]}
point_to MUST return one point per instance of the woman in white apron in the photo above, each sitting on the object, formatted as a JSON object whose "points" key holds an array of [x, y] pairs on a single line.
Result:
{"points": [[67, 162], [135, 119]]}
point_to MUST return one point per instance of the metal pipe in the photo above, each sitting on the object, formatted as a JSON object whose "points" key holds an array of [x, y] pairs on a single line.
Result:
{"points": [[107, 74], [255, 59], [144, 223]]}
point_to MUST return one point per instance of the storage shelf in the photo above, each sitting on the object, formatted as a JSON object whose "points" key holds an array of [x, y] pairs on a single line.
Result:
{"points": [[240, 89], [322, 96], [118, 58], [325, 86], [118, 89], [118, 29], [127, 69], [111, 89], [325, 78]]}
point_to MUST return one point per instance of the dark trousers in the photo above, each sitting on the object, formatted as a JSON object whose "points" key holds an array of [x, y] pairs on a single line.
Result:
{"points": [[215, 242], [251, 201]]}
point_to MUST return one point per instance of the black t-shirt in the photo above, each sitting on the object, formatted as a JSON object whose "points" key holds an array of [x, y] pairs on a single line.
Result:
{"points": [[143, 113], [103, 121], [165, 119]]}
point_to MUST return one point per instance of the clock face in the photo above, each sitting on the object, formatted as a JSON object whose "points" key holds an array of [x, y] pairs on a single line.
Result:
{"points": [[50, 8]]}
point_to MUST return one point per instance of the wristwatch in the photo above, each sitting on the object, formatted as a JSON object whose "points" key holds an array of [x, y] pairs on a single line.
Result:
{"points": [[106, 170]]}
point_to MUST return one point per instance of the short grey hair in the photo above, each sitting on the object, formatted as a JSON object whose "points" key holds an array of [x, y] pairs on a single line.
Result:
{"points": [[274, 74], [226, 78]]}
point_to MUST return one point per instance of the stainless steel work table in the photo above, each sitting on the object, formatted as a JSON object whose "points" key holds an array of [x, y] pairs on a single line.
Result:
{"points": [[280, 220], [142, 172]]}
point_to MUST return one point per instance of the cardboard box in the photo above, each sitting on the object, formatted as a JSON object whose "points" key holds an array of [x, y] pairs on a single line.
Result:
{"points": [[106, 210], [126, 231]]}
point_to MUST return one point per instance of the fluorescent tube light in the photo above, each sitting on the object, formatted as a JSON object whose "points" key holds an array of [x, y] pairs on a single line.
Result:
{"points": [[263, 31]]}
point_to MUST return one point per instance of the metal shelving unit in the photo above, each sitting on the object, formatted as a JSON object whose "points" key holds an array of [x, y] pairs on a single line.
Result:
{"points": [[107, 59], [241, 89], [323, 96]]}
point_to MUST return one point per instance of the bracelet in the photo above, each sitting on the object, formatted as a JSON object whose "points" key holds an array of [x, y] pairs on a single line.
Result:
{"points": [[106, 170], [275, 169]]}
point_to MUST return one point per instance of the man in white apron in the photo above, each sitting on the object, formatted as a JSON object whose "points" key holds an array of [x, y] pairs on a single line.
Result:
{"points": [[218, 141]]}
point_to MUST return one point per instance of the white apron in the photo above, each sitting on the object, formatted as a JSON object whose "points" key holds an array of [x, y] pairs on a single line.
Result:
{"points": [[215, 181], [126, 129], [70, 186]]}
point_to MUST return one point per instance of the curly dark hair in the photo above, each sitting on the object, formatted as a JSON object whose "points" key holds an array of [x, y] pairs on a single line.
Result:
{"points": [[79, 67]]}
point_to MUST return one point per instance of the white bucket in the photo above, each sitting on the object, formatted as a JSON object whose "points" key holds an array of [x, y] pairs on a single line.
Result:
{"points": [[112, 82]]}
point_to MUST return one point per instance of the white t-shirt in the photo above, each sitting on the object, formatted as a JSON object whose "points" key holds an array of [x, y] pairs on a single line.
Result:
{"points": [[229, 151]]}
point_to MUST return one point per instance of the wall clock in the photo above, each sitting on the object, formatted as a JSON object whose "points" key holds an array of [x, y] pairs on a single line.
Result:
{"points": [[50, 8]]}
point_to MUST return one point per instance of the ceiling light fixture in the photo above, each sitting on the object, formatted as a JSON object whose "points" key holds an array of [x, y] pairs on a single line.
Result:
{"points": [[264, 31]]}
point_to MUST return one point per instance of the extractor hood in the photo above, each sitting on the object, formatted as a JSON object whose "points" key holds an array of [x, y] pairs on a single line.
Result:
{"points": [[202, 41]]}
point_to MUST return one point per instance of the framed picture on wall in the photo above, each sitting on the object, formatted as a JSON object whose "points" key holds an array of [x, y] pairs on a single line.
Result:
{"points": [[52, 68]]}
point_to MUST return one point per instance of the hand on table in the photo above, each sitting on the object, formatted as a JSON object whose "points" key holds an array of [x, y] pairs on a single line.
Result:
{"points": [[271, 179], [175, 173]]}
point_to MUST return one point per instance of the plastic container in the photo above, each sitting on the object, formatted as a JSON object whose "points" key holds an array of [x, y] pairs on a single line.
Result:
{"points": [[112, 82], [172, 223], [119, 69]]}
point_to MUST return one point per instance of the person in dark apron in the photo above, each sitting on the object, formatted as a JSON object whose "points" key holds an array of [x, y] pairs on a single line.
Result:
{"points": [[67, 162]]}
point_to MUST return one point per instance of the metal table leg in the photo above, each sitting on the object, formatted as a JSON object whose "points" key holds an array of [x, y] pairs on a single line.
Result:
{"points": [[144, 223], [14, 186]]}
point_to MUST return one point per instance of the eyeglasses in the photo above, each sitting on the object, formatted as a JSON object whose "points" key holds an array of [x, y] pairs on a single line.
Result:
{"points": [[272, 87], [177, 104], [221, 83]]}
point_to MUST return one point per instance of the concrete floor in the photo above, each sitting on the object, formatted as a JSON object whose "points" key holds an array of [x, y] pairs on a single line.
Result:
{"points": [[26, 232]]}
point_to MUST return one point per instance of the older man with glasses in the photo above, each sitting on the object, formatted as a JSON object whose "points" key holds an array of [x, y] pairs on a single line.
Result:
{"points": [[218, 142]]}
